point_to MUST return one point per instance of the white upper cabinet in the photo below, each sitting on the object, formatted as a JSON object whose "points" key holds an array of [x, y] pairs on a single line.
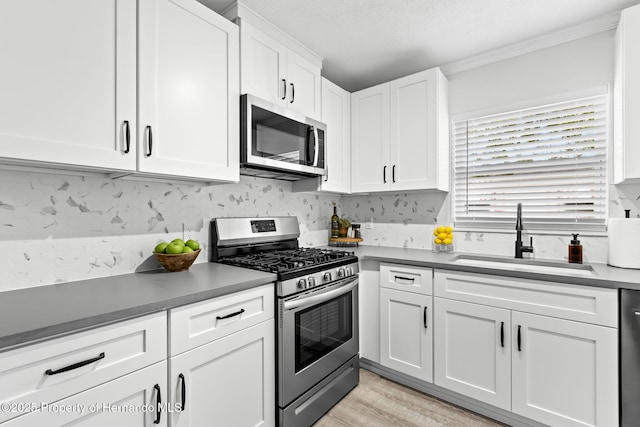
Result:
{"points": [[400, 135], [189, 91], [77, 76], [626, 130], [303, 86], [336, 114], [264, 65], [68, 82], [275, 67], [369, 139]]}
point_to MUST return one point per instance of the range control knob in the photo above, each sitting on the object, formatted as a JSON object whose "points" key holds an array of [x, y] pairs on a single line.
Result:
{"points": [[327, 277], [341, 272], [302, 283], [311, 281], [349, 271]]}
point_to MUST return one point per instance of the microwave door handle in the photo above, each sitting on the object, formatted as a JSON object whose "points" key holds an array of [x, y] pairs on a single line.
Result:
{"points": [[316, 152], [309, 153]]}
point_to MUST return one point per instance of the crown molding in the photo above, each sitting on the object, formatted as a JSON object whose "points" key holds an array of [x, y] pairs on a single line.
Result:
{"points": [[604, 23]]}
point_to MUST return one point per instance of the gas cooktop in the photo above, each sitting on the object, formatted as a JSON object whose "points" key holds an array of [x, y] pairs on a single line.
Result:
{"points": [[271, 244], [292, 262]]}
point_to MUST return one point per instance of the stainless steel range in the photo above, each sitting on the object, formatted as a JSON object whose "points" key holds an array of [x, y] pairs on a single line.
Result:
{"points": [[317, 307]]}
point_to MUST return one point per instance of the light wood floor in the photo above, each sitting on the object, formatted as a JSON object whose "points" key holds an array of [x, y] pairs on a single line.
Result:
{"points": [[377, 401]]}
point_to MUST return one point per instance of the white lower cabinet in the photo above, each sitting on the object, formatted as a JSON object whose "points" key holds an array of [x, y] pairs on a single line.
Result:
{"points": [[473, 351], [137, 399], [406, 325], [220, 370], [111, 375], [222, 364], [553, 370], [228, 382], [406, 333], [564, 373]]}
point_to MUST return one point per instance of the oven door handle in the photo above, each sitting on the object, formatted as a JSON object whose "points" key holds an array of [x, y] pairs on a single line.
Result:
{"points": [[325, 296]]}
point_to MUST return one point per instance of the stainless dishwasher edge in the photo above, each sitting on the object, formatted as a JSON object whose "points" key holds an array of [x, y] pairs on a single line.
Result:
{"points": [[629, 357]]}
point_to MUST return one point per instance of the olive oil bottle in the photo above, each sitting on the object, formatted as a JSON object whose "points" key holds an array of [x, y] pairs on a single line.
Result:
{"points": [[334, 222]]}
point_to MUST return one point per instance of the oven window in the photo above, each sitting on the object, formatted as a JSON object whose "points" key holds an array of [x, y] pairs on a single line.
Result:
{"points": [[322, 328]]}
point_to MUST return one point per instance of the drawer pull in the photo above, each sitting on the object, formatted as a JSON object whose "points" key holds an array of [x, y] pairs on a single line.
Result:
{"points": [[74, 366], [183, 389], [411, 279], [158, 404], [237, 313]]}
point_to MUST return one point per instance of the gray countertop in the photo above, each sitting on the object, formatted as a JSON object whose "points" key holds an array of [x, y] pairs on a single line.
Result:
{"points": [[604, 275], [33, 314]]}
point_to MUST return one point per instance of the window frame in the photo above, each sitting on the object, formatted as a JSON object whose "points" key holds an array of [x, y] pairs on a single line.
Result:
{"points": [[538, 227]]}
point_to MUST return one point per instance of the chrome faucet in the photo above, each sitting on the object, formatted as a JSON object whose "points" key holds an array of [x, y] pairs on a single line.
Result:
{"points": [[520, 248]]}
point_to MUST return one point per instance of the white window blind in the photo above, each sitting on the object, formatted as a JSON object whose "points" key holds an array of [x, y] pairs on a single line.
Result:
{"points": [[552, 159]]}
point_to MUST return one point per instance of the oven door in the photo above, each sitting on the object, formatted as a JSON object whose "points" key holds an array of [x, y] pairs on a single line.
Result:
{"points": [[318, 333]]}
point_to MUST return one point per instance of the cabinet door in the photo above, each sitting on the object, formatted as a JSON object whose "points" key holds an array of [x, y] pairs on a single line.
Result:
{"points": [[264, 66], [68, 82], [336, 114], [370, 170], [412, 149], [419, 132], [189, 91], [229, 382], [406, 333], [129, 401], [627, 97], [472, 352], [564, 372], [304, 86]]}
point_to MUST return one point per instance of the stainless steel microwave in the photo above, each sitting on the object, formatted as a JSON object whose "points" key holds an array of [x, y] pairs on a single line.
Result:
{"points": [[278, 143]]}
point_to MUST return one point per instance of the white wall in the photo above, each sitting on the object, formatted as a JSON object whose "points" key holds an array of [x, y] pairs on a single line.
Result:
{"points": [[568, 67]]}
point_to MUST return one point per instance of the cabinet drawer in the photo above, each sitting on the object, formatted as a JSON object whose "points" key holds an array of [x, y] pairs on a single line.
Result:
{"points": [[406, 278], [196, 324], [126, 346], [573, 302]]}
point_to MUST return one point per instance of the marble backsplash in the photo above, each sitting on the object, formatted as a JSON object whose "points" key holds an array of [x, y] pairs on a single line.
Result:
{"points": [[56, 227], [407, 220]]}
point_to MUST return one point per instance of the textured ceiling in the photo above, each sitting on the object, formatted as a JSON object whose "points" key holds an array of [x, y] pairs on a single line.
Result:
{"points": [[366, 42]]}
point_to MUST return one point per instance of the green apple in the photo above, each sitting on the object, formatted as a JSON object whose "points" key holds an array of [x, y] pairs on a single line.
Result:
{"points": [[160, 247], [178, 241], [174, 248], [193, 244], [186, 249]]}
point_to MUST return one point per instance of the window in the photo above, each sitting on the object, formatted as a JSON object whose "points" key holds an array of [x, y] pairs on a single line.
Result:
{"points": [[551, 158]]}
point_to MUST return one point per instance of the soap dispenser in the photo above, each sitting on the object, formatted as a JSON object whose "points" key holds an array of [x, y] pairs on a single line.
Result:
{"points": [[575, 251]]}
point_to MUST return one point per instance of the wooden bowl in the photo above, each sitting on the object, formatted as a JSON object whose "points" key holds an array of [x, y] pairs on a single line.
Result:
{"points": [[177, 262]]}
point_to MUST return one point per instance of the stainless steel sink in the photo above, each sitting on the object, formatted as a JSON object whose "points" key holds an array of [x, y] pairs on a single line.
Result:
{"points": [[529, 265]]}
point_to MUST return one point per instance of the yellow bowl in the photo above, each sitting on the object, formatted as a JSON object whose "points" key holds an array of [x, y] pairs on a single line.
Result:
{"points": [[177, 262]]}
